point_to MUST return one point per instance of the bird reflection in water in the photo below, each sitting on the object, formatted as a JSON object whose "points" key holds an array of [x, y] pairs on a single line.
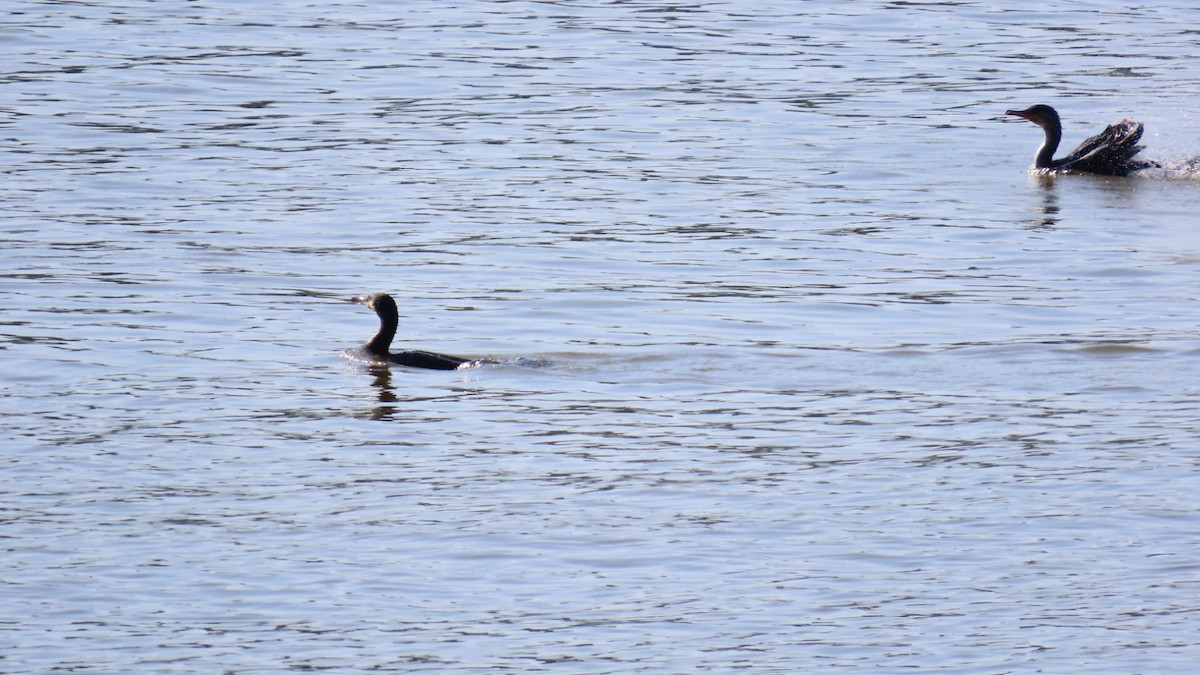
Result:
{"points": [[386, 392], [392, 405], [1050, 207]]}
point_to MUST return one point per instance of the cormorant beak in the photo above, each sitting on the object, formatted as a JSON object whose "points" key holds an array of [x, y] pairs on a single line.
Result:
{"points": [[362, 300], [1019, 113]]}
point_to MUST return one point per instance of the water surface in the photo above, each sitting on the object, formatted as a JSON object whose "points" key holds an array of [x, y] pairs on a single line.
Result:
{"points": [[832, 381]]}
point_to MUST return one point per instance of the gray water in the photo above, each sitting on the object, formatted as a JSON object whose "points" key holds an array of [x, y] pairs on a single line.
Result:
{"points": [[827, 380]]}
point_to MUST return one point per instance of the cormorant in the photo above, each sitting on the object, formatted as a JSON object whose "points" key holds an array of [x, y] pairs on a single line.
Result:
{"points": [[378, 346], [1109, 153]]}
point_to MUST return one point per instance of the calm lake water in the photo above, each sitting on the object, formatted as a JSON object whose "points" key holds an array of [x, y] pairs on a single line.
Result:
{"points": [[830, 380]]}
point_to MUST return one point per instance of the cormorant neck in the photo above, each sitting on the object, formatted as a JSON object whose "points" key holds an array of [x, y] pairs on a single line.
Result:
{"points": [[1045, 154], [382, 340]]}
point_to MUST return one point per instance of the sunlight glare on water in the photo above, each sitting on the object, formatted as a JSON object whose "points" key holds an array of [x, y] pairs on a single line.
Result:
{"points": [[799, 367]]}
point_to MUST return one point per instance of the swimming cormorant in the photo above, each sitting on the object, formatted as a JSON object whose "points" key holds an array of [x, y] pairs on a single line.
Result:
{"points": [[1109, 153], [378, 346]]}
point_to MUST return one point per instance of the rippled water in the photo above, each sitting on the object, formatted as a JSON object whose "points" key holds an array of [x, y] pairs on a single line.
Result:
{"points": [[829, 381]]}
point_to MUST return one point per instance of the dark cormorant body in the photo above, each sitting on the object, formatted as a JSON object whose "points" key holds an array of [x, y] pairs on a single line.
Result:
{"points": [[379, 345], [1109, 153]]}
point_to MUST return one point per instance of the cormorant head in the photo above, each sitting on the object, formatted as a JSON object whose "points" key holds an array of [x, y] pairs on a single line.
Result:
{"points": [[1040, 114], [378, 302]]}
